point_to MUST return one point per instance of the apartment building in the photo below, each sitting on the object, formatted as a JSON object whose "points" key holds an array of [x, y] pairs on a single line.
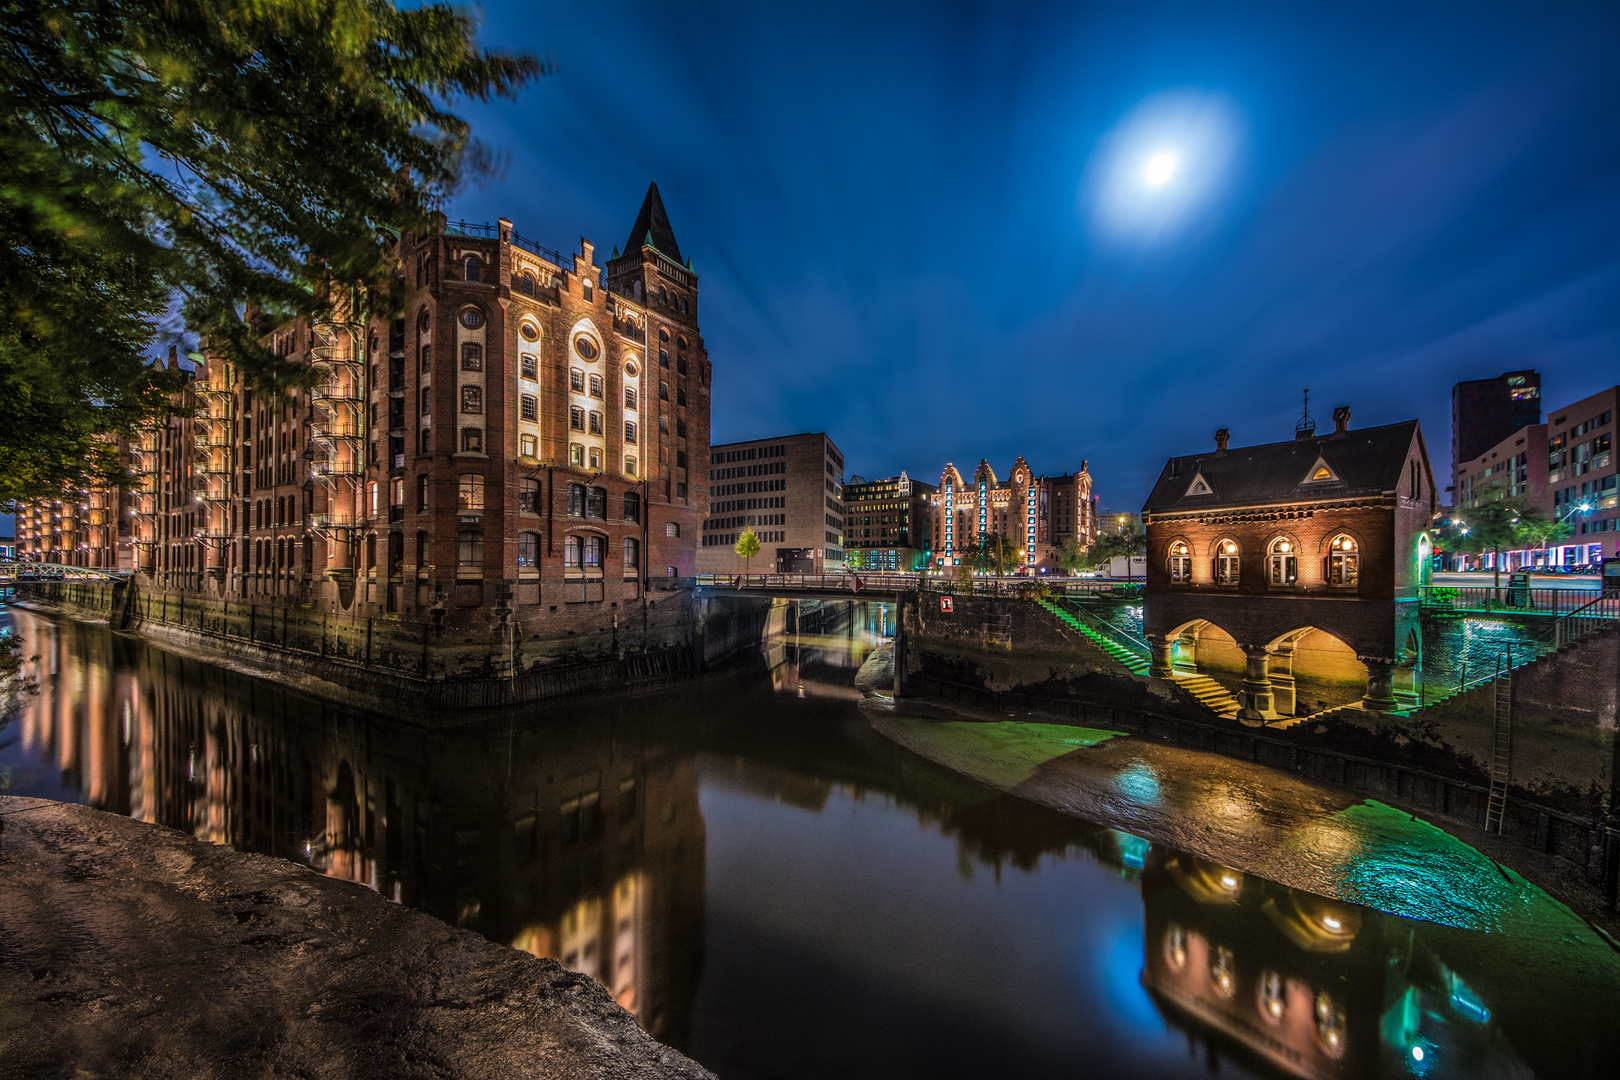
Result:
{"points": [[890, 523]]}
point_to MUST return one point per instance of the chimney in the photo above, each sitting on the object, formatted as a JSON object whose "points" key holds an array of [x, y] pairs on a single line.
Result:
{"points": [[1341, 420], [1222, 437]]}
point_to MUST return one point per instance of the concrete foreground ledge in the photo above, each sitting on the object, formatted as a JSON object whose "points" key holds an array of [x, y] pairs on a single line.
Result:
{"points": [[133, 950]]}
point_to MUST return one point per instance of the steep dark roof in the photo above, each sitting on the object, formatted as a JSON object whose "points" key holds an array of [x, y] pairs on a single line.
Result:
{"points": [[1367, 461], [652, 227]]}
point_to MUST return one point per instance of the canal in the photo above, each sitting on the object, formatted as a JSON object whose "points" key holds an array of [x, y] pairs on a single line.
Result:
{"points": [[778, 890]]}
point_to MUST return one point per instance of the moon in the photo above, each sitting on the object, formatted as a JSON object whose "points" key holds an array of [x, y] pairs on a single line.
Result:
{"points": [[1159, 169]]}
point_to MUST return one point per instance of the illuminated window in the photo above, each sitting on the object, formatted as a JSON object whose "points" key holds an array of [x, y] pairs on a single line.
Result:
{"points": [[472, 399], [470, 492], [528, 446], [472, 440], [1228, 563], [1180, 562], [632, 553], [571, 547], [1282, 562], [1343, 560], [528, 549], [576, 454]]}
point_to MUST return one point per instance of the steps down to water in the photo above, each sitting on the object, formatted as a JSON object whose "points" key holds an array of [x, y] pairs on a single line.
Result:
{"points": [[1211, 693], [1137, 663]]}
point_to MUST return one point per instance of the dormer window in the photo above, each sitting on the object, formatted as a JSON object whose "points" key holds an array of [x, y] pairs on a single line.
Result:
{"points": [[1228, 563], [1343, 562], [1180, 563], [1283, 562]]}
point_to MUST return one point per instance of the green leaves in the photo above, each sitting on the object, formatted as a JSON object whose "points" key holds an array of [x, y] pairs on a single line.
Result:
{"points": [[257, 153], [747, 544]]}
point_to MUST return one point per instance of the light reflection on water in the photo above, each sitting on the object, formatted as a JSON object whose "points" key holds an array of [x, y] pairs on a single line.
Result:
{"points": [[772, 887]]}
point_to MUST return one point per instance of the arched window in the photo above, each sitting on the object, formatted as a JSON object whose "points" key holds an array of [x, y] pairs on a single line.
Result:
{"points": [[470, 268], [593, 552], [1282, 562], [632, 553], [663, 295], [527, 284], [529, 549], [1228, 563], [469, 548], [1180, 562], [1343, 561]]}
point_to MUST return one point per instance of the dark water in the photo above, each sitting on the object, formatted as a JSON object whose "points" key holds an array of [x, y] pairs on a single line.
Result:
{"points": [[778, 891]]}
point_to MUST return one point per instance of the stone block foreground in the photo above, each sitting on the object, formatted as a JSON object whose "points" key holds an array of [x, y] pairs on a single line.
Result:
{"points": [[133, 950]]}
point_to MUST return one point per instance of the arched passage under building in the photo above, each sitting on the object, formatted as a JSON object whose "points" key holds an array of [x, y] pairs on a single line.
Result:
{"points": [[1301, 671]]}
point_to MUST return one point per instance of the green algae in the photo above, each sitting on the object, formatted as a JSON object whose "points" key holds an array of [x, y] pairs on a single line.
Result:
{"points": [[1004, 753]]}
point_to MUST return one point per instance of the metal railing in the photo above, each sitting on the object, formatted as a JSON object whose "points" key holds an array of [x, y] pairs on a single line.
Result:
{"points": [[1603, 610], [1120, 635], [1509, 598]]}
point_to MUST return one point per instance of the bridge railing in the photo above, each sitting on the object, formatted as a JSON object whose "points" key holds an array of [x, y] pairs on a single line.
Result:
{"points": [[1508, 599]]}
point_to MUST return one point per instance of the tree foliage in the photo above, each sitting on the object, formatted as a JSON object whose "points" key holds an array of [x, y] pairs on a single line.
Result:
{"points": [[747, 545], [1071, 556], [1128, 540], [228, 156], [1500, 524]]}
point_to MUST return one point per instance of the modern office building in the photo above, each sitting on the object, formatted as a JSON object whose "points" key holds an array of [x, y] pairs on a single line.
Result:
{"points": [[1038, 513], [890, 523], [790, 491], [1486, 411], [1565, 468], [518, 446]]}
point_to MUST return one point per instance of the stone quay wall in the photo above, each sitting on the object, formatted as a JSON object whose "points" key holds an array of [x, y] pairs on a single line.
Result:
{"points": [[420, 670]]}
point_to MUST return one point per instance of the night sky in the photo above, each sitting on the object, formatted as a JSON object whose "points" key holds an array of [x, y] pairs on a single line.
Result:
{"points": [[926, 230]]}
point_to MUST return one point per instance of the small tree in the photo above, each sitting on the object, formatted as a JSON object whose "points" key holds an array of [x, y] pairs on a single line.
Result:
{"points": [[1129, 541], [747, 547], [1071, 556], [1498, 524]]}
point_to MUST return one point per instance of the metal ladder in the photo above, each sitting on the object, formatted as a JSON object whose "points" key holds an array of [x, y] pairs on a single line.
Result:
{"points": [[1501, 746]]}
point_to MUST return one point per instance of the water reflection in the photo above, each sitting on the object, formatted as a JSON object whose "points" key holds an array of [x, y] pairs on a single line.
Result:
{"points": [[705, 852]]}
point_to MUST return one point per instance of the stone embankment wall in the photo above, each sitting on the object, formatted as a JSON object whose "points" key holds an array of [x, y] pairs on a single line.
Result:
{"points": [[133, 950], [1011, 656], [421, 669]]}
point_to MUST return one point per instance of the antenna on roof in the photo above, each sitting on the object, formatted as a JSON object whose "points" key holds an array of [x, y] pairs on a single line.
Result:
{"points": [[1306, 426]]}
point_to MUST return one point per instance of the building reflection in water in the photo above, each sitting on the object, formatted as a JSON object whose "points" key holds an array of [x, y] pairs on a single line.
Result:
{"points": [[584, 840], [579, 841]]}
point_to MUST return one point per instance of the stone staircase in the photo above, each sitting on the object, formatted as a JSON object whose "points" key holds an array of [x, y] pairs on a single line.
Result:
{"points": [[1134, 661], [1210, 693]]}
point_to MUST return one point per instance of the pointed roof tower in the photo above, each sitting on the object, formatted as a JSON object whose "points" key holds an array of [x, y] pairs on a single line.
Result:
{"points": [[652, 227]]}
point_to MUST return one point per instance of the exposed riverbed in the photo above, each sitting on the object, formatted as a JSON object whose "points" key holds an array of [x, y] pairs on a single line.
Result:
{"points": [[774, 887]]}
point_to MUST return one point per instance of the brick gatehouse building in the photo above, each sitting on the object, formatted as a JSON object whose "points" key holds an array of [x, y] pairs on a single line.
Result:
{"points": [[526, 441], [1293, 564]]}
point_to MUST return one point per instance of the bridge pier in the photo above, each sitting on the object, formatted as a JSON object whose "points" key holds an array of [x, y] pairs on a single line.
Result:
{"points": [[1380, 696], [1255, 696], [1164, 651]]}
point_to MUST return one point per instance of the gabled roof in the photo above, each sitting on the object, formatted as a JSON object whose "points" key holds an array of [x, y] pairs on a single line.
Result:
{"points": [[1368, 461], [652, 227]]}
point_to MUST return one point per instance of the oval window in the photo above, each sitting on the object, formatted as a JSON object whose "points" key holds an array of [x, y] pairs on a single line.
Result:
{"points": [[585, 347], [472, 318], [529, 331], [631, 370]]}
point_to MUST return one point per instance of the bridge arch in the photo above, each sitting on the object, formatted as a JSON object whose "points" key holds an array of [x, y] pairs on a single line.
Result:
{"points": [[1312, 668]]}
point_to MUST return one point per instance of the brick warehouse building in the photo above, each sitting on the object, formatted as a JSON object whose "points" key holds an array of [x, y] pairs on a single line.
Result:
{"points": [[1037, 513], [519, 444], [1295, 564]]}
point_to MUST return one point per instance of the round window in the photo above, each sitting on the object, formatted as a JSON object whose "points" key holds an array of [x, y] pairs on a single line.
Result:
{"points": [[585, 347], [630, 369], [529, 331], [472, 318]]}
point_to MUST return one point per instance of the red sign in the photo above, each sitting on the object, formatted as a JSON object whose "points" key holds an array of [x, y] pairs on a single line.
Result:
{"points": [[945, 604]]}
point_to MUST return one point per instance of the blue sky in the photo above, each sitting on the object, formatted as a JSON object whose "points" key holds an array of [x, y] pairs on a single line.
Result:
{"points": [[899, 213], [901, 221]]}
